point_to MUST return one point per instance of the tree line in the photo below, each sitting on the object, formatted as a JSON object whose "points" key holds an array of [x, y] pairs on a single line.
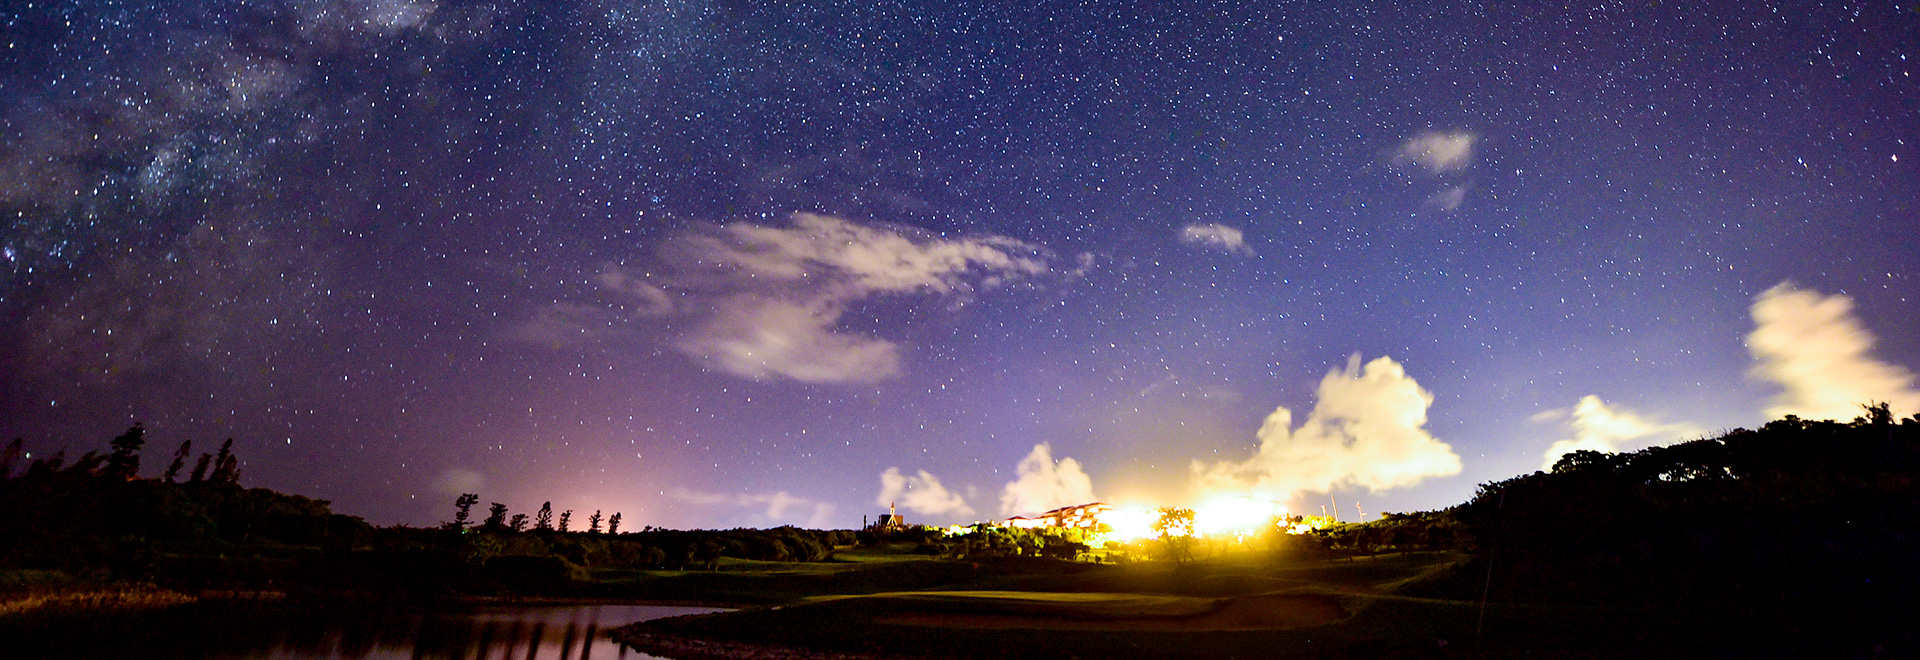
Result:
{"points": [[194, 527], [542, 521]]}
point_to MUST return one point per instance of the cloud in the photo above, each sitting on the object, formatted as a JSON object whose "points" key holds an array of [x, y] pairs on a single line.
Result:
{"points": [[766, 338], [772, 302], [1216, 236], [921, 493], [1365, 430], [1436, 151], [831, 255], [1817, 351], [780, 507], [1447, 200], [643, 297], [456, 481], [1597, 426], [1044, 484]]}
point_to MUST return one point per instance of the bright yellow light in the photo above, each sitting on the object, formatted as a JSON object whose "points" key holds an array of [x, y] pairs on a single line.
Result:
{"points": [[1129, 523], [1235, 516]]}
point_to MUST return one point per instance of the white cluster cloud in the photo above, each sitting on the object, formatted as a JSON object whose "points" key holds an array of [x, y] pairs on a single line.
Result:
{"points": [[779, 507], [920, 493], [766, 302], [1365, 430], [1044, 484], [1599, 427], [1436, 151], [1817, 351], [1214, 235]]}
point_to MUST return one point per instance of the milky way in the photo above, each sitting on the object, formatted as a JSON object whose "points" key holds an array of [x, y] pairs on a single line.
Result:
{"points": [[716, 265]]}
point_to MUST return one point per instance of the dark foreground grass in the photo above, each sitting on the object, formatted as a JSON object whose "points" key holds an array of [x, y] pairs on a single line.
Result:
{"points": [[1133, 612], [769, 583]]}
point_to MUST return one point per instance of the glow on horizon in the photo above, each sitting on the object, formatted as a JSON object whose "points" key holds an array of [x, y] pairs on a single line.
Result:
{"points": [[1236, 516]]}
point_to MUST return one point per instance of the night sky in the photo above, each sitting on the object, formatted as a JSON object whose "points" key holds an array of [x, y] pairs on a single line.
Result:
{"points": [[752, 264]]}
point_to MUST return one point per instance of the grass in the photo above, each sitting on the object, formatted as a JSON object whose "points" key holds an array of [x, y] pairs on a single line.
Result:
{"points": [[31, 598], [1231, 607], [742, 582]]}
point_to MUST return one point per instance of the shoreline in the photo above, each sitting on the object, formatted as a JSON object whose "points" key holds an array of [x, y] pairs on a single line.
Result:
{"points": [[89, 601]]}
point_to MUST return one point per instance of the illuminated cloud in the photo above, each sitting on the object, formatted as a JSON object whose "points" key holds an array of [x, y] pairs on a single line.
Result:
{"points": [[770, 303], [1817, 351], [1044, 484], [920, 493], [1437, 152], [1365, 430], [771, 508], [1214, 235], [1599, 427]]}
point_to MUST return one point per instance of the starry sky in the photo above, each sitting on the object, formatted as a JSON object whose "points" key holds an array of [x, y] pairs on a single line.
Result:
{"points": [[752, 264]]}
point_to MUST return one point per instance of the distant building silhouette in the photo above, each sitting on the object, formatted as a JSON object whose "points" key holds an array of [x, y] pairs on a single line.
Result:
{"points": [[889, 521], [1083, 515]]}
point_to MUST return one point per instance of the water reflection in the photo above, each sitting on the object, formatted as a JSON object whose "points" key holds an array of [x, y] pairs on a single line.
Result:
{"points": [[503, 633], [268, 631]]}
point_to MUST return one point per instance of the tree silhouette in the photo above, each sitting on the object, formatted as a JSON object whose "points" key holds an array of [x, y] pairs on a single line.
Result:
{"points": [[179, 461], [518, 522], [226, 466], [124, 462], [12, 455], [593, 522], [544, 519], [613, 523], [463, 508], [87, 465], [1877, 414], [1175, 527], [496, 516], [200, 469], [46, 466], [564, 517]]}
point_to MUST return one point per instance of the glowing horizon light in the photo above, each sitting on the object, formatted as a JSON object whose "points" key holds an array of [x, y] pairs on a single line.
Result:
{"points": [[1129, 523], [1227, 516], [1235, 516]]}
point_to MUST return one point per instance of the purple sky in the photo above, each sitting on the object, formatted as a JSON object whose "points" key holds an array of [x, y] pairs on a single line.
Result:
{"points": [[724, 265]]}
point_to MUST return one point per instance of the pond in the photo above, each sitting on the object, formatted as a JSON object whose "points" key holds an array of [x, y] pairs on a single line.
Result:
{"points": [[236, 631]]}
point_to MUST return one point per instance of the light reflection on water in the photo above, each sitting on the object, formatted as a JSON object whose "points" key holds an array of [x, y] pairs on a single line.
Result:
{"points": [[498, 633]]}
